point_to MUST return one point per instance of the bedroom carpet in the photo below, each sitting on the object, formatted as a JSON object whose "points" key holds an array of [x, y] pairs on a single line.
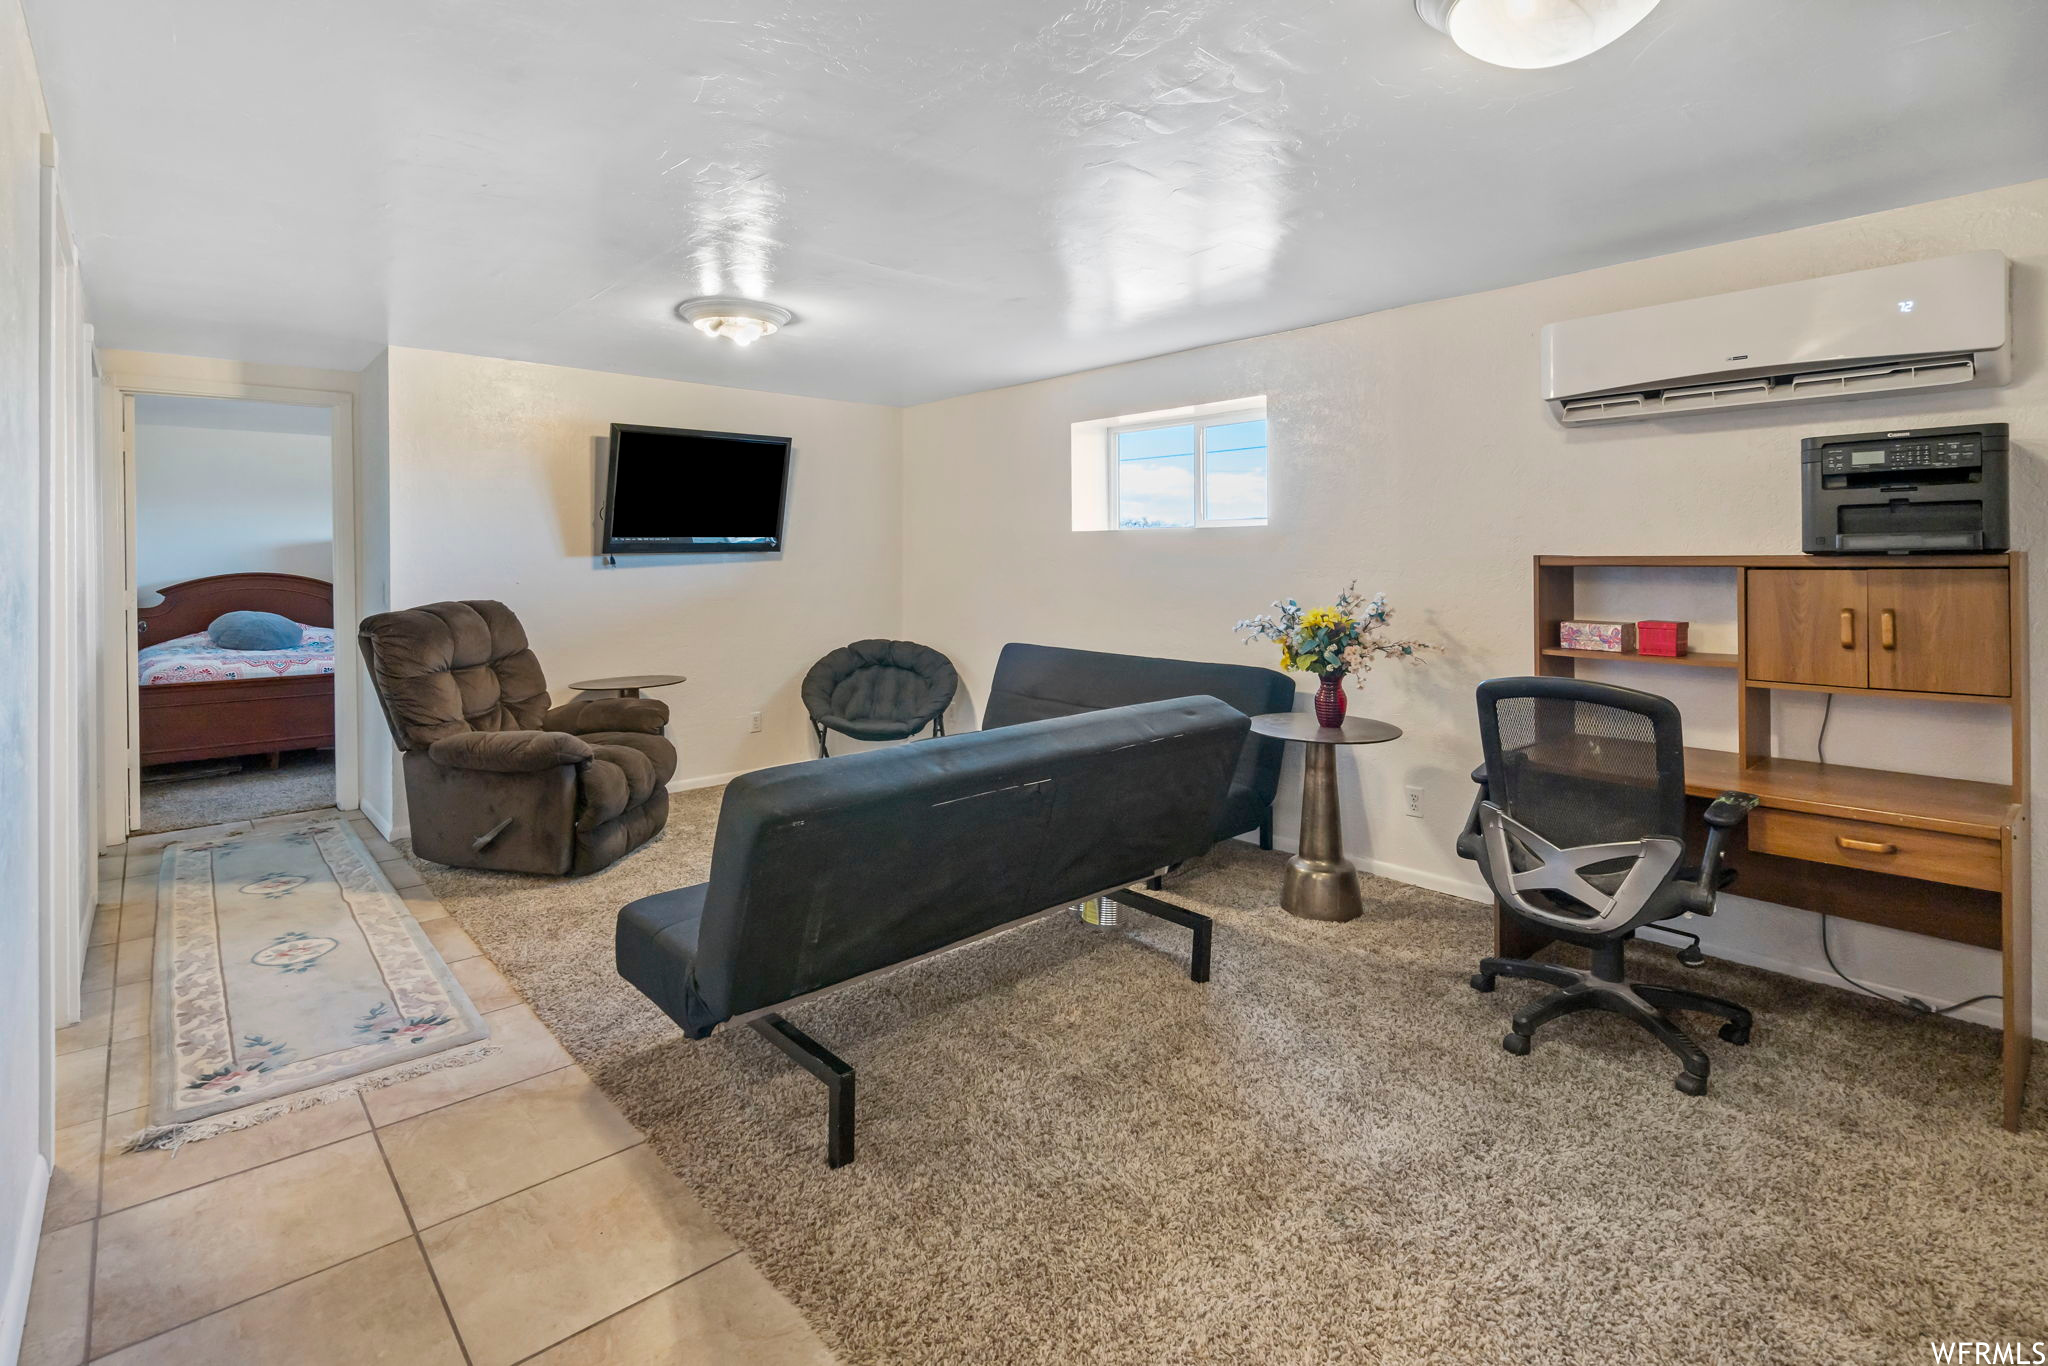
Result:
{"points": [[303, 781], [1069, 1152]]}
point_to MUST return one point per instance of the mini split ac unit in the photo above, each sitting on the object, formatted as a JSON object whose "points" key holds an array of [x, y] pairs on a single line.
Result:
{"points": [[1939, 324]]}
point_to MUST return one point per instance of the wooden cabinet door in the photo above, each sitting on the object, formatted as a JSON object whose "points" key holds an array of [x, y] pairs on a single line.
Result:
{"points": [[1807, 626], [1940, 630]]}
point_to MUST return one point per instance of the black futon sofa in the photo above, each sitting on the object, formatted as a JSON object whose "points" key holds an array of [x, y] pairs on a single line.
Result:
{"points": [[825, 871], [1034, 682]]}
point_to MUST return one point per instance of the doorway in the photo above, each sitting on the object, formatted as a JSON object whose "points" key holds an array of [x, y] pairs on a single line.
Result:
{"points": [[237, 569], [234, 575]]}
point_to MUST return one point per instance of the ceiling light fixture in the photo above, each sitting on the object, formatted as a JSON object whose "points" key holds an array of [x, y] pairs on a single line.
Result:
{"points": [[1527, 34], [741, 321]]}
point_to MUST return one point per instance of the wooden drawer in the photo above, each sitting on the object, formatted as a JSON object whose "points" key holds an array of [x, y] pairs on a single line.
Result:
{"points": [[1959, 860]]}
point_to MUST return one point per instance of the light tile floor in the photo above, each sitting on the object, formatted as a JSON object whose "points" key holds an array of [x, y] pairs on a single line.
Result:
{"points": [[489, 1214]]}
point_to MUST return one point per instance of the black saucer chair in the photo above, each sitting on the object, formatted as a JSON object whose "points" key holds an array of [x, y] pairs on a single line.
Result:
{"points": [[880, 690]]}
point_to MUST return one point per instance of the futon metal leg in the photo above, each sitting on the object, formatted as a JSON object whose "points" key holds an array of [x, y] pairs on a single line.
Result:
{"points": [[807, 1053], [1266, 831], [1201, 925]]}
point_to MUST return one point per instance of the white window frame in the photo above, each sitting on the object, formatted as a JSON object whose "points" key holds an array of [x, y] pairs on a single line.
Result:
{"points": [[1201, 423]]}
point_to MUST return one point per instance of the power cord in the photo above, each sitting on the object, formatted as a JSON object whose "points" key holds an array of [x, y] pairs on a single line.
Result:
{"points": [[1912, 1003]]}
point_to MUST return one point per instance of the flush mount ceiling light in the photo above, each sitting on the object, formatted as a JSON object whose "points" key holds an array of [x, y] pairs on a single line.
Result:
{"points": [[741, 321], [1533, 33]]}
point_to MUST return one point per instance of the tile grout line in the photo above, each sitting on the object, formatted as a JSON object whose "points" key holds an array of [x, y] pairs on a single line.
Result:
{"points": [[634, 1305], [404, 1205], [374, 1130], [271, 1162], [639, 1142], [99, 1185], [161, 1332]]}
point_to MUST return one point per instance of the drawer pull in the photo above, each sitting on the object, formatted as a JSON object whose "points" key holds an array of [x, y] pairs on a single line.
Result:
{"points": [[1888, 629], [1848, 628], [1865, 846]]}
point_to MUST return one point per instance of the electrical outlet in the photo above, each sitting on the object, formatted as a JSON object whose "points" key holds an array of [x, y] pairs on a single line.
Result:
{"points": [[1415, 802], [754, 725]]}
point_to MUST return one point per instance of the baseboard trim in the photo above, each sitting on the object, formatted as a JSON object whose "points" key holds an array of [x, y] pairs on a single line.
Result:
{"points": [[21, 1270], [382, 820], [1988, 1013], [706, 780]]}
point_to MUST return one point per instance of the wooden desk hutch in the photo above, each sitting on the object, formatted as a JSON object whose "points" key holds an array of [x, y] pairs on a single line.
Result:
{"points": [[1934, 856]]}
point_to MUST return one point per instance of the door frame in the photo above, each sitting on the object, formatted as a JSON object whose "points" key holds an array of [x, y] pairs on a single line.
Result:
{"points": [[122, 779], [67, 593]]}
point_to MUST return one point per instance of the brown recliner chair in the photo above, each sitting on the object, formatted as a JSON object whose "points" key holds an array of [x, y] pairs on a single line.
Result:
{"points": [[494, 777]]}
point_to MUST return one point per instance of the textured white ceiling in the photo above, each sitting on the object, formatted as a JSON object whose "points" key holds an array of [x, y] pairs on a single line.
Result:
{"points": [[953, 194]]}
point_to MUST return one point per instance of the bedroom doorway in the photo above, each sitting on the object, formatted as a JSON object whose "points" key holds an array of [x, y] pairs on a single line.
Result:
{"points": [[237, 531], [234, 575]]}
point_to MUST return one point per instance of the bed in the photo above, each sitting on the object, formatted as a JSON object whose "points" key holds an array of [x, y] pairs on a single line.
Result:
{"points": [[198, 702]]}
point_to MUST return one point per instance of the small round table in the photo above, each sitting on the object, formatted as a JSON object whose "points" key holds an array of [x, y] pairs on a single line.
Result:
{"points": [[629, 685], [1321, 883]]}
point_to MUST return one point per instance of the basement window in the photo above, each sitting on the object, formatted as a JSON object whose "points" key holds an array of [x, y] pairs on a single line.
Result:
{"points": [[1200, 466]]}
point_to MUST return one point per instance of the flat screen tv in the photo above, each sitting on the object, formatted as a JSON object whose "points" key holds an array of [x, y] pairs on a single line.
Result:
{"points": [[671, 491]]}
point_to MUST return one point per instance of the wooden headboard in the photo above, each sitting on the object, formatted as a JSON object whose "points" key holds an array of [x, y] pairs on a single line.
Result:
{"points": [[192, 605]]}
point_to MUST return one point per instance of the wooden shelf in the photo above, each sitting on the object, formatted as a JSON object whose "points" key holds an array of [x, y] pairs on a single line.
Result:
{"points": [[1860, 691], [1695, 660], [1904, 799], [1992, 560], [1966, 627]]}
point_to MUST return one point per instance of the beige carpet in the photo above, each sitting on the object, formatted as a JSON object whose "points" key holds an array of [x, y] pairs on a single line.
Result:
{"points": [[1070, 1153], [303, 781]]}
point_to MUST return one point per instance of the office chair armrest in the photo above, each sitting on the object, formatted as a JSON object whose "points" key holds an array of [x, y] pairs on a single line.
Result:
{"points": [[1728, 810], [1472, 839]]}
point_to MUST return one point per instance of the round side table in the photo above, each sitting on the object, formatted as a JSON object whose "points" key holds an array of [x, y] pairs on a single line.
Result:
{"points": [[629, 685], [1321, 883]]}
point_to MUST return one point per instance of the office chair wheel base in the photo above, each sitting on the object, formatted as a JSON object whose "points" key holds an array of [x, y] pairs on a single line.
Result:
{"points": [[1691, 1085], [1517, 1044], [1735, 1033], [1482, 981]]}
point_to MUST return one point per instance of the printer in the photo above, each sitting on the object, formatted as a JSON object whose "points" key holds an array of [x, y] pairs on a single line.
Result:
{"points": [[1937, 490]]}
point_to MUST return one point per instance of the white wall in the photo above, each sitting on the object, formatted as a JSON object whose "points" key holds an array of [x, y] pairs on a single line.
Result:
{"points": [[1411, 451], [493, 470], [25, 1044], [228, 486], [378, 794]]}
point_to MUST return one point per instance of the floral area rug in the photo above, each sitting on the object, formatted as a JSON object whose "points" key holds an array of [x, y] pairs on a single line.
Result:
{"points": [[288, 973]]}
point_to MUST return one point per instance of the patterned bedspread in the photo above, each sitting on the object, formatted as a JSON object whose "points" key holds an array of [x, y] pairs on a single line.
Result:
{"points": [[196, 659]]}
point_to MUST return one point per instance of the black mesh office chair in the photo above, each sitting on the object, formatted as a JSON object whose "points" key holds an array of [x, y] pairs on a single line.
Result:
{"points": [[1579, 828]]}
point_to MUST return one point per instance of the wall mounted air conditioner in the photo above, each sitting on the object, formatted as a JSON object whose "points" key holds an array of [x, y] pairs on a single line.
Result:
{"points": [[1939, 324]]}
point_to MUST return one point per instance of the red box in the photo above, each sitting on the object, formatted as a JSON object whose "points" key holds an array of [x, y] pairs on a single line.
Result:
{"points": [[1665, 638]]}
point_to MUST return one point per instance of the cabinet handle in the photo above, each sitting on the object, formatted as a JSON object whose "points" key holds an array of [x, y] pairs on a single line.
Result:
{"points": [[1848, 628], [1865, 846], [1888, 629]]}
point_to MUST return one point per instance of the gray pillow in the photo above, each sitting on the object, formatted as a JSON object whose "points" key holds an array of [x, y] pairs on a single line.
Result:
{"points": [[255, 631]]}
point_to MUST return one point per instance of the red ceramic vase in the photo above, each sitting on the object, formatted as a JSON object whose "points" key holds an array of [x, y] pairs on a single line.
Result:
{"points": [[1330, 702]]}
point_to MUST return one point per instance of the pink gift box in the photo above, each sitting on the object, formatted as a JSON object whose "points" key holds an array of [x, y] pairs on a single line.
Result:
{"points": [[1613, 637]]}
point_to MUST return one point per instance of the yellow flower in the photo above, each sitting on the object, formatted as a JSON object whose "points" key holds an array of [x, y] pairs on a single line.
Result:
{"points": [[1317, 618]]}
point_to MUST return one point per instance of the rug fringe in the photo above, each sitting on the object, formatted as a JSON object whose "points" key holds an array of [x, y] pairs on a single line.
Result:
{"points": [[171, 1137]]}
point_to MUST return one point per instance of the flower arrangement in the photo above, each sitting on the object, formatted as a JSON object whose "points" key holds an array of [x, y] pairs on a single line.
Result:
{"points": [[1333, 642]]}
